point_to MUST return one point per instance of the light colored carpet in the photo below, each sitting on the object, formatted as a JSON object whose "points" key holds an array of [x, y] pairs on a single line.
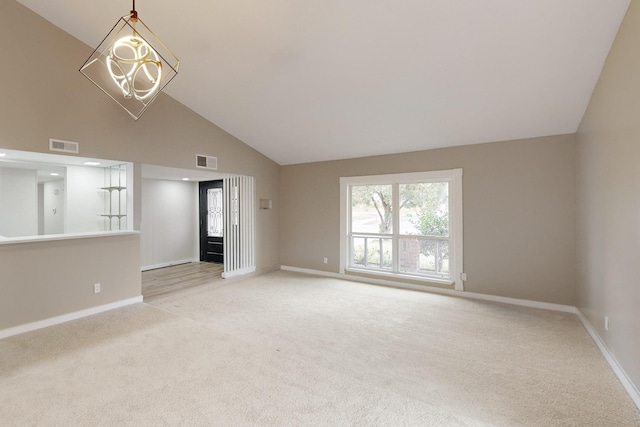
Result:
{"points": [[294, 350]]}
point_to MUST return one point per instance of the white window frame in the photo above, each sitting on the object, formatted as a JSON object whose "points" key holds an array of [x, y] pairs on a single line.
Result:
{"points": [[454, 177]]}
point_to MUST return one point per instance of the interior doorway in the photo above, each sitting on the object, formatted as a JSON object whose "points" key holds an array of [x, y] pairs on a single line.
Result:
{"points": [[211, 203], [170, 233]]}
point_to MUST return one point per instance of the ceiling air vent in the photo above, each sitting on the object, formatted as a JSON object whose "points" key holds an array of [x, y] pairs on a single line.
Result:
{"points": [[206, 162], [64, 146]]}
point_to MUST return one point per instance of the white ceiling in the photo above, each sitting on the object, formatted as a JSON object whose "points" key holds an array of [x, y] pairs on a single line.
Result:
{"points": [[316, 80]]}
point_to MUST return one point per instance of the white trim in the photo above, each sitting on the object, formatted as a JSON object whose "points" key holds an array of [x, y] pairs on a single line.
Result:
{"points": [[395, 239], [28, 327], [391, 276], [435, 290], [169, 264], [344, 220], [457, 212], [617, 369], [403, 178], [68, 236], [236, 273]]}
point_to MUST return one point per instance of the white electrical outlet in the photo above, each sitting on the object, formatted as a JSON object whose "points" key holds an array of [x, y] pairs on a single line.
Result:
{"points": [[606, 323], [96, 288], [326, 260], [463, 276]]}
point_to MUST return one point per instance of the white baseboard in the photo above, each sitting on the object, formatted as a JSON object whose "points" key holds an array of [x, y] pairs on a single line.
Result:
{"points": [[169, 264], [257, 272], [432, 289], [613, 362], [27, 327], [236, 273]]}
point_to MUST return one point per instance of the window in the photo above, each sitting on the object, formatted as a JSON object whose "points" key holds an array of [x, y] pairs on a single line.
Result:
{"points": [[51, 194], [403, 226]]}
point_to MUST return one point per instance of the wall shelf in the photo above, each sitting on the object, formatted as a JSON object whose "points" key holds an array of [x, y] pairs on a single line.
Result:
{"points": [[115, 197]]}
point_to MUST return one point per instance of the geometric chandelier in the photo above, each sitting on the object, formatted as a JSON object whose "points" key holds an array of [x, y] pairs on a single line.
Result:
{"points": [[131, 65]]}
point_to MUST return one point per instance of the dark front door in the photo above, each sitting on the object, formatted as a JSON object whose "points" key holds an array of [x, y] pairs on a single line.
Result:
{"points": [[211, 222]]}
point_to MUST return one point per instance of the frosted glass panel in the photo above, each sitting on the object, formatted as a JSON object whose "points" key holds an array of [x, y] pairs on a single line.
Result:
{"points": [[214, 212]]}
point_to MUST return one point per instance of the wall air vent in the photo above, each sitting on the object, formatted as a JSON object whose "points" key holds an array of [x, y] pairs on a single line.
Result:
{"points": [[206, 162], [64, 146]]}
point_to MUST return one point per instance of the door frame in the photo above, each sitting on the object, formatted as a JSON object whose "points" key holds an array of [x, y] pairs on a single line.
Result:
{"points": [[211, 247]]}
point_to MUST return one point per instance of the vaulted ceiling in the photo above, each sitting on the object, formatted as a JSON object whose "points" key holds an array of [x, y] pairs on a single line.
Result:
{"points": [[314, 80]]}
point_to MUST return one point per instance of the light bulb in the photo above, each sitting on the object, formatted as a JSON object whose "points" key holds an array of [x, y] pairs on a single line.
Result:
{"points": [[135, 67]]}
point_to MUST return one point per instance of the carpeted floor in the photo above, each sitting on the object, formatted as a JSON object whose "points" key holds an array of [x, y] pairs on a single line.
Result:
{"points": [[294, 350]]}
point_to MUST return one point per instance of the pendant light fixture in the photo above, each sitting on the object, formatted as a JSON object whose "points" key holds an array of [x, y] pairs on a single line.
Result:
{"points": [[131, 65]]}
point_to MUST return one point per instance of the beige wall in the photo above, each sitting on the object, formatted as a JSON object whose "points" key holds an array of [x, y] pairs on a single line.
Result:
{"points": [[49, 279], [44, 96], [609, 200], [519, 213]]}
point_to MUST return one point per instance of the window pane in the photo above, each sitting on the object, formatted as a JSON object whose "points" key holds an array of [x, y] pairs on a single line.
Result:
{"points": [[372, 252], [443, 258], [379, 253], [358, 252], [371, 209], [429, 257], [409, 255], [424, 209], [387, 254]]}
